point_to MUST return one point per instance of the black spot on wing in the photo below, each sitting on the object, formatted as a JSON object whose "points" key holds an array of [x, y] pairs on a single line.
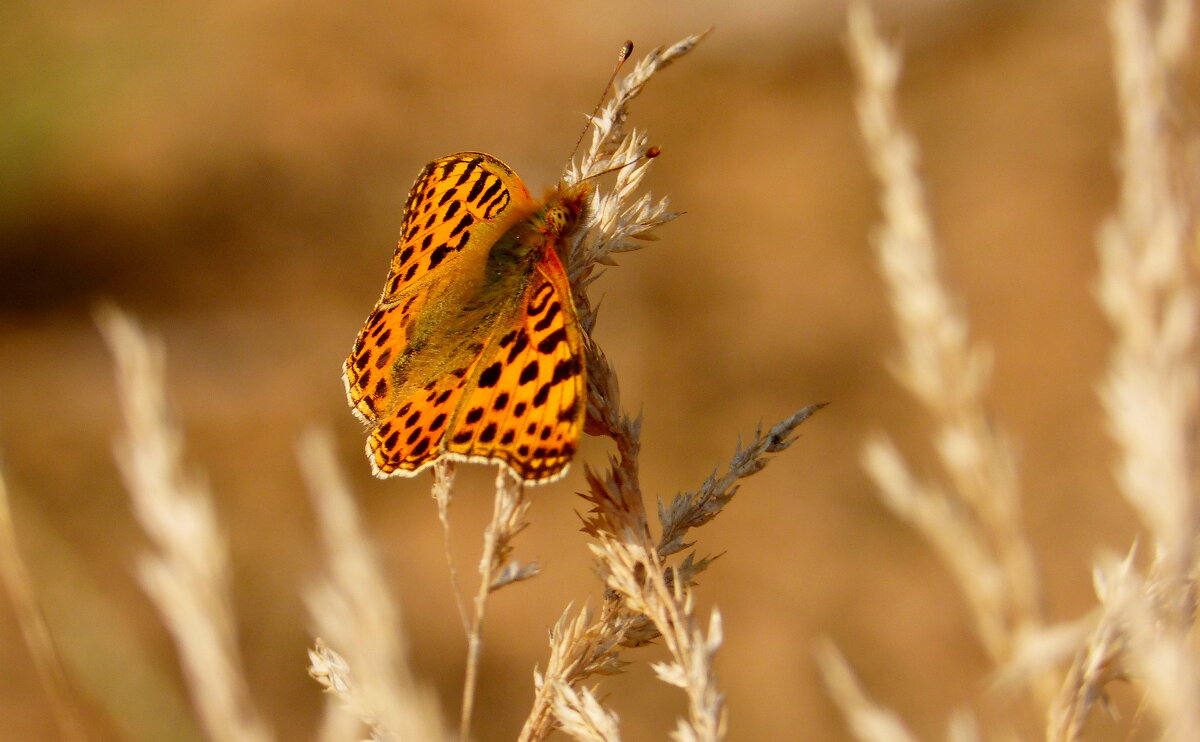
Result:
{"points": [[438, 255], [552, 340], [469, 169], [476, 188], [496, 205], [565, 369], [466, 221], [538, 305], [490, 193], [520, 344], [529, 373], [545, 321], [490, 376]]}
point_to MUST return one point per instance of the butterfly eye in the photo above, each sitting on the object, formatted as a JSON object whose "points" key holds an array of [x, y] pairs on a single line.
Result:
{"points": [[557, 220]]}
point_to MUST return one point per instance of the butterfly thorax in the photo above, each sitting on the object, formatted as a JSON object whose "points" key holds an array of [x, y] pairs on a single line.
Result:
{"points": [[512, 256]]}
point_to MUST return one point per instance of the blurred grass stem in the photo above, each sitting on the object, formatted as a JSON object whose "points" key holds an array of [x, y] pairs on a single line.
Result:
{"points": [[32, 624]]}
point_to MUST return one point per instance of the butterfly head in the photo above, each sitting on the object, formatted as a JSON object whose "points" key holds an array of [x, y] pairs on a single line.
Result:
{"points": [[564, 209]]}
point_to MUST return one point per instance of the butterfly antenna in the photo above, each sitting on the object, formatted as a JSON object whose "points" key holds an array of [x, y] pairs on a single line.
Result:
{"points": [[649, 154], [623, 55]]}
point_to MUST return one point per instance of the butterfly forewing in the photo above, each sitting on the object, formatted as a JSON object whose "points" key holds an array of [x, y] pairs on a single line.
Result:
{"points": [[457, 205], [369, 371], [456, 202]]}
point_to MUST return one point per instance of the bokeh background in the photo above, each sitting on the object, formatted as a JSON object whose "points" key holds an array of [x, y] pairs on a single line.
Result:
{"points": [[233, 174]]}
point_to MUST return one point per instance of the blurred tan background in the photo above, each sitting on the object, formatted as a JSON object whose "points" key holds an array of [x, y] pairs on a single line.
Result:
{"points": [[233, 173]]}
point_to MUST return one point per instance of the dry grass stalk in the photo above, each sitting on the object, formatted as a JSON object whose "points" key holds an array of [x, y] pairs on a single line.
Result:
{"points": [[1132, 641], [619, 215], [1148, 288], [187, 573], [14, 574], [496, 570], [650, 589], [974, 522], [352, 612], [1159, 653], [647, 598], [443, 494]]}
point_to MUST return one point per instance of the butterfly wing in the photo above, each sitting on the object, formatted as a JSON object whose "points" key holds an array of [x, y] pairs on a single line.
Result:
{"points": [[458, 206], [507, 390]]}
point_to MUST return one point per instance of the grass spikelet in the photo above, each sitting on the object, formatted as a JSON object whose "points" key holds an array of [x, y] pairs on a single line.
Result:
{"points": [[583, 717]]}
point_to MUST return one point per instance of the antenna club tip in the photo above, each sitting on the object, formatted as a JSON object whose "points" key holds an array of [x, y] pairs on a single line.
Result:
{"points": [[652, 152], [626, 50]]}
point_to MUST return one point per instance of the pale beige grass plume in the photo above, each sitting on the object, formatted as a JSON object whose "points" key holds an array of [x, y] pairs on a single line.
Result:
{"points": [[186, 573], [1142, 629], [352, 610]]}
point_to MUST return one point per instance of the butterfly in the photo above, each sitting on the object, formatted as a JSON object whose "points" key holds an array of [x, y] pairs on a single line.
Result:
{"points": [[474, 352]]}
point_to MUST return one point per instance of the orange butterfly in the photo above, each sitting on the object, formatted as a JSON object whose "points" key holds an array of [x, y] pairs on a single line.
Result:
{"points": [[474, 352]]}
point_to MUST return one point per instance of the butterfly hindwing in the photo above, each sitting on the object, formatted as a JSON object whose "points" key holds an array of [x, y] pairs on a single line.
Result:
{"points": [[528, 397]]}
